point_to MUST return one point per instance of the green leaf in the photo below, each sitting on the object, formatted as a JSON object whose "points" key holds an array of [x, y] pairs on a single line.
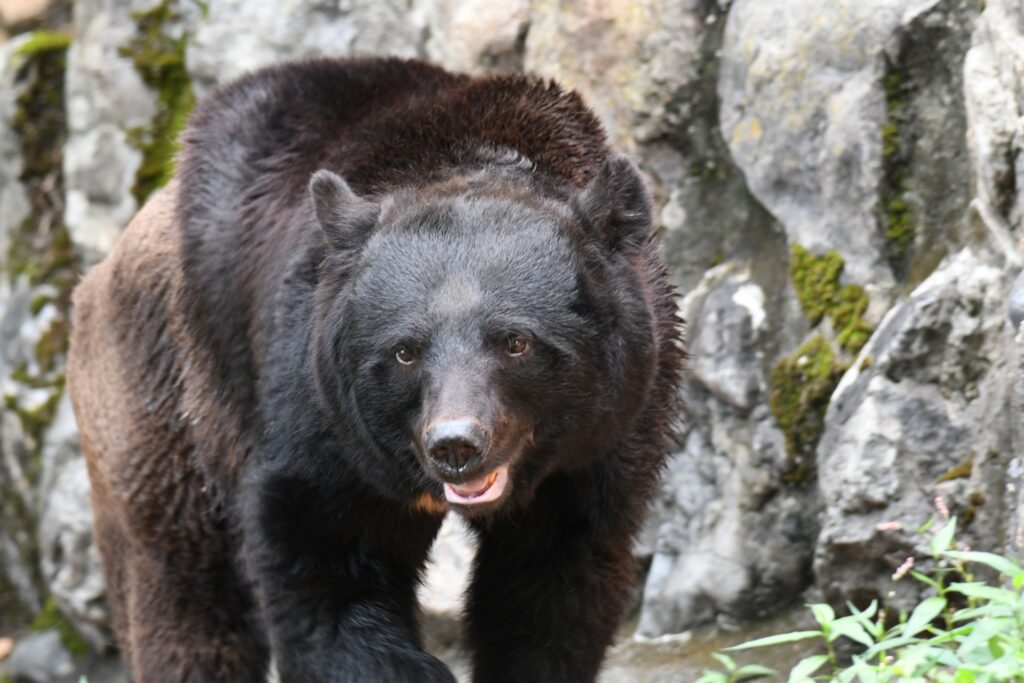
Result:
{"points": [[985, 592], [887, 644], [964, 676], [850, 628], [924, 614], [713, 677], [924, 578], [823, 613], [752, 672], [805, 667], [776, 640], [726, 661], [943, 538], [866, 619], [987, 610], [1001, 564]]}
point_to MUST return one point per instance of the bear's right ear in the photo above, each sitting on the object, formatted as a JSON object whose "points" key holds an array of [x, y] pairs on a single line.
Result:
{"points": [[617, 205], [345, 217]]}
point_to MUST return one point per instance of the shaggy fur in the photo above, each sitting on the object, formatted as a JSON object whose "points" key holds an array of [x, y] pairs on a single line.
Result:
{"points": [[260, 479]]}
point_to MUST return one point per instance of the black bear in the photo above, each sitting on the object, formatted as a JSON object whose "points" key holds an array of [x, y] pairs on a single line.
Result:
{"points": [[374, 293]]}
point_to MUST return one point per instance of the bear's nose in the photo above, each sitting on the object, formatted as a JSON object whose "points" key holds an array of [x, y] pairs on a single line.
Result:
{"points": [[456, 445]]}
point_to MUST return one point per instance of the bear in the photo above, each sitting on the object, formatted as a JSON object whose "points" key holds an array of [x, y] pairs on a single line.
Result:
{"points": [[375, 293]]}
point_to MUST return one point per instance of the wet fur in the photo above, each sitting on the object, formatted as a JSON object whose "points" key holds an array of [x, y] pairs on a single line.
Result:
{"points": [[240, 511]]}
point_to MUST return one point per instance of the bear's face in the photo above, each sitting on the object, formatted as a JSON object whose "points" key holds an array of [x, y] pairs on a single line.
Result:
{"points": [[466, 337]]}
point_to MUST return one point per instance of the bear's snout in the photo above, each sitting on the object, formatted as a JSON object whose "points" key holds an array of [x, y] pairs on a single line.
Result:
{"points": [[456, 445]]}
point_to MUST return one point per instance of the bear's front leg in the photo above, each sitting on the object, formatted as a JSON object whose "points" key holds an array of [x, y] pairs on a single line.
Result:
{"points": [[550, 586], [336, 577]]}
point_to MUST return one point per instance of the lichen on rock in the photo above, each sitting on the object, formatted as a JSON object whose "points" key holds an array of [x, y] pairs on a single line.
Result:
{"points": [[159, 57], [816, 280], [51, 618], [37, 272], [801, 386]]}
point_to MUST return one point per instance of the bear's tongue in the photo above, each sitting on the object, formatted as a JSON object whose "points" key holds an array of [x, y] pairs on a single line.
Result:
{"points": [[483, 490]]}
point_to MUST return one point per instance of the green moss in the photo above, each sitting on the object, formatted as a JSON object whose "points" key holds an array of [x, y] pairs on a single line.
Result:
{"points": [[36, 419], [41, 249], [816, 281], [899, 223], [717, 259], [160, 60], [43, 41], [801, 386], [52, 618], [959, 471]]}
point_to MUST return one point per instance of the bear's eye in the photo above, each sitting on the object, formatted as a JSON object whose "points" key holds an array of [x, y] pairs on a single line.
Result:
{"points": [[517, 345], [405, 355]]}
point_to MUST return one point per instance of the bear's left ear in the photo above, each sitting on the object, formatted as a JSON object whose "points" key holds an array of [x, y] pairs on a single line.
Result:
{"points": [[345, 217], [616, 203]]}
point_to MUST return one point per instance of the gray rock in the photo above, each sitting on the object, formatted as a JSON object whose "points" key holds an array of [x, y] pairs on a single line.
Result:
{"points": [[733, 540], [924, 413], [802, 110], [630, 60], [1015, 472], [20, 331], [1015, 302], [993, 83], [13, 197], [105, 99], [41, 658], [237, 36], [69, 560], [473, 35]]}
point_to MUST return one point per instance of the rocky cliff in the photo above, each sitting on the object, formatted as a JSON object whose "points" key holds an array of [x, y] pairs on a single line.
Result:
{"points": [[838, 197]]}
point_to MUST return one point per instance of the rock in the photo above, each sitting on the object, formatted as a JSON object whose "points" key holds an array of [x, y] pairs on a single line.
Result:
{"points": [[69, 560], [734, 540], [19, 464], [629, 59], [236, 36], [924, 412], [13, 197], [106, 98], [805, 113], [1015, 302], [44, 658], [474, 35], [1014, 544], [41, 658], [993, 80], [650, 69]]}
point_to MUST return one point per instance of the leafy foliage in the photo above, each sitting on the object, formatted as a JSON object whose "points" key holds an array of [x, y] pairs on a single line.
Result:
{"points": [[965, 631]]}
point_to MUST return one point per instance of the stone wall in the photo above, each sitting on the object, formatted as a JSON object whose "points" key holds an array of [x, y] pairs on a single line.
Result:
{"points": [[837, 194]]}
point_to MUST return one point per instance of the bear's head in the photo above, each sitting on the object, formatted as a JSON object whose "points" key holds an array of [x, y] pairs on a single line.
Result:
{"points": [[485, 331]]}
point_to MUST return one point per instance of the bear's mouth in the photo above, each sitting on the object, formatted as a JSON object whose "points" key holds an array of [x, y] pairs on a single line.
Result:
{"points": [[485, 489]]}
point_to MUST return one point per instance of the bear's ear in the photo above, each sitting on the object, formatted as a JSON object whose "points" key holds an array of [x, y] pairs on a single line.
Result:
{"points": [[616, 203], [345, 217]]}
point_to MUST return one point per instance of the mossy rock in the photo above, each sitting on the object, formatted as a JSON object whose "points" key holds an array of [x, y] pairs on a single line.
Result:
{"points": [[52, 618], [801, 386], [816, 282], [159, 59]]}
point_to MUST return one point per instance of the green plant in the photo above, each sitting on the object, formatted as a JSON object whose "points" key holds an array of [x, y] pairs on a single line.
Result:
{"points": [[965, 630]]}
